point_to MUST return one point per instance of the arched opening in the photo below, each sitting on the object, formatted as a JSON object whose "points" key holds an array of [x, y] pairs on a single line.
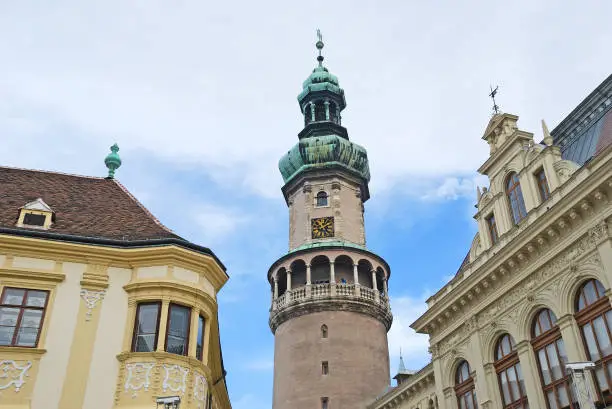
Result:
{"points": [[320, 270], [322, 199], [594, 316], [343, 270], [509, 374], [431, 404], [307, 114], [515, 198], [324, 331], [320, 111], [380, 280], [298, 274], [550, 353], [281, 276], [364, 272], [333, 112], [464, 387]]}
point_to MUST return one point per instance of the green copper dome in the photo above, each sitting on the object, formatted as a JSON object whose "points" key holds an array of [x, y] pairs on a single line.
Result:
{"points": [[320, 80], [322, 152]]}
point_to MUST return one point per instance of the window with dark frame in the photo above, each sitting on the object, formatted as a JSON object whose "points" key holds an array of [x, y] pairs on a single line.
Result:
{"points": [[492, 227], [509, 374], [146, 327], [22, 313], [324, 403], [542, 184], [324, 368], [464, 387], [200, 341], [515, 198], [594, 316], [323, 331], [177, 335], [321, 199], [33, 219], [551, 357]]}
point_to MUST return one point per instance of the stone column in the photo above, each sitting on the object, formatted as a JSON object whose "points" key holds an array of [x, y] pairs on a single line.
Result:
{"points": [[495, 399], [531, 377], [356, 280], [308, 276], [375, 286], [332, 278], [326, 110], [312, 111], [386, 288], [288, 280], [275, 287]]}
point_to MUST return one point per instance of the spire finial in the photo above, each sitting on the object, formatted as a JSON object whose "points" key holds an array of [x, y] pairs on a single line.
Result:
{"points": [[320, 46], [402, 367], [548, 139], [112, 161]]}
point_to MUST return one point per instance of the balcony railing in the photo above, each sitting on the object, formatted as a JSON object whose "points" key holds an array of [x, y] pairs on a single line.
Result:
{"points": [[328, 291]]}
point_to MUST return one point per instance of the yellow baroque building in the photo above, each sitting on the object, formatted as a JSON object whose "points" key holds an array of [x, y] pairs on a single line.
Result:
{"points": [[101, 306], [526, 322]]}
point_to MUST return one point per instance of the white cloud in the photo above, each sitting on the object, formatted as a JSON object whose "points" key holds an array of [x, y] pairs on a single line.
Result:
{"points": [[414, 346], [218, 223], [455, 187], [215, 85]]}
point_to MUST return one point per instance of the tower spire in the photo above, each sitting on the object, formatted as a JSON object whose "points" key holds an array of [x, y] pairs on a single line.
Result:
{"points": [[320, 46]]}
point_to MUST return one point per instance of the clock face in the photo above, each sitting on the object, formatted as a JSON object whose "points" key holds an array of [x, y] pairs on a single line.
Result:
{"points": [[322, 227]]}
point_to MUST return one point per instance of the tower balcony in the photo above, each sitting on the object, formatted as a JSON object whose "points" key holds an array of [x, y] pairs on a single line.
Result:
{"points": [[327, 297]]}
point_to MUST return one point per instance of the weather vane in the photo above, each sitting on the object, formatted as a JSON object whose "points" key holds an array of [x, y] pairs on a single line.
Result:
{"points": [[492, 95], [319, 46]]}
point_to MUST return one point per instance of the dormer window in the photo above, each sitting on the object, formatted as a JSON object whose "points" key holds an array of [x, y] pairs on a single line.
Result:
{"points": [[36, 214], [321, 199]]}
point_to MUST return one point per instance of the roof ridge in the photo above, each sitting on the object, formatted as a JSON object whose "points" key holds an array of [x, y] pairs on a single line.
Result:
{"points": [[148, 213], [52, 172]]}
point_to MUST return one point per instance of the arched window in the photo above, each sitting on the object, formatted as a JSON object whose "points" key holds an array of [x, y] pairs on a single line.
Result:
{"points": [[509, 374], [594, 315], [323, 331], [321, 199], [550, 352], [464, 387], [515, 198]]}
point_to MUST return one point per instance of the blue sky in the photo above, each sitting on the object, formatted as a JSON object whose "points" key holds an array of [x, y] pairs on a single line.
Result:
{"points": [[202, 101]]}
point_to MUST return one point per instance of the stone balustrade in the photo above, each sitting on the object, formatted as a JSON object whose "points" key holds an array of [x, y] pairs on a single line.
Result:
{"points": [[324, 291]]}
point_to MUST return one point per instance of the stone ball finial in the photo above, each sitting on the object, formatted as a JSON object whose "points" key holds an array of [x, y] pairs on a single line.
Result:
{"points": [[112, 161]]}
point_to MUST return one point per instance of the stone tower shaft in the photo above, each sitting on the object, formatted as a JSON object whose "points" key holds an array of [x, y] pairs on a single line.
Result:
{"points": [[330, 308]]}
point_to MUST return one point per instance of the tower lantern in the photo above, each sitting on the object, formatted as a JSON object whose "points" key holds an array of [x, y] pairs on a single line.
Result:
{"points": [[330, 309]]}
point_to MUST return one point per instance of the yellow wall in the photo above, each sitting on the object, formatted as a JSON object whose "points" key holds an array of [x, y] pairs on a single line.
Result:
{"points": [[83, 359]]}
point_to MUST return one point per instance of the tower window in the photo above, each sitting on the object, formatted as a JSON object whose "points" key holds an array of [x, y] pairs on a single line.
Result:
{"points": [[323, 331], [324, 368], [321, 199], [324, 403], [542, 184], [492, 226]]}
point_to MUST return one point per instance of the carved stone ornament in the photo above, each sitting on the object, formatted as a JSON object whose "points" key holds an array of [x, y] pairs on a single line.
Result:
{"points": [[138, 377], [175, 378], [200, 388], [13, 373], [599, 232], [91, 298]]}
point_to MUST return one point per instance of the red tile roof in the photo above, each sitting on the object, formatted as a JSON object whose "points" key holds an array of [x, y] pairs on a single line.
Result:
{"points": [[83, 206]]}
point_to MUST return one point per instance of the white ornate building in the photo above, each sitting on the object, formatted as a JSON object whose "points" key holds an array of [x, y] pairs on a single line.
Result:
{"points": [[534, 291]]}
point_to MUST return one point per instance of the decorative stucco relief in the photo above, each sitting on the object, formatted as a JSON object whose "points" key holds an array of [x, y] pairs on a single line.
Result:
{"points": [[12, 373], [91, 298], [200, 389], [138, 377], [175, 378]]}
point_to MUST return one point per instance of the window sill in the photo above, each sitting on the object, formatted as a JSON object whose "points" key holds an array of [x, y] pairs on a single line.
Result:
{"points": [[21, 352], [160, 356]]}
